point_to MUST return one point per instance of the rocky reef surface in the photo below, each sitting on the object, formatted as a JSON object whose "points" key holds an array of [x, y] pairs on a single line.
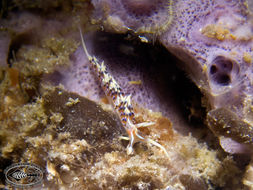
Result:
{"points": [[214, 41], [187, 65]]}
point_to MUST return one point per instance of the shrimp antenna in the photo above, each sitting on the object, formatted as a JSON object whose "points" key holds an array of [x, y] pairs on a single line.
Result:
{"points": [[83, 44], [120, 100]]}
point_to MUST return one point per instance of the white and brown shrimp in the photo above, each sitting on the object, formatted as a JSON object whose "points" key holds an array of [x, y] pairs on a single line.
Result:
{"points": [[121, 103]]}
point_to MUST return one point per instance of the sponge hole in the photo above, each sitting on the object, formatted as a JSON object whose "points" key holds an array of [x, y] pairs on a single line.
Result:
{"points": [[222, 69], [223, 79], [213, 69]]}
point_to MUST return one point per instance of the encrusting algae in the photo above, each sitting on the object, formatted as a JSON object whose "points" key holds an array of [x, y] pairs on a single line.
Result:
{"points": [[54, 52], [79, 146]]}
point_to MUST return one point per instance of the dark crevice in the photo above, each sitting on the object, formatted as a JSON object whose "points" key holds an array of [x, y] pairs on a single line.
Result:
{"points": [[16, 43], [159, 69]]}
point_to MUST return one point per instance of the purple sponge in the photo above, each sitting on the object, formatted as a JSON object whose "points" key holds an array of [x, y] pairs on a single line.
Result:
{"points": [[142, 16]]}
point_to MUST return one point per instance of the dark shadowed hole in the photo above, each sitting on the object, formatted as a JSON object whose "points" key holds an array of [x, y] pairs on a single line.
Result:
{"points": [[160, 72], [223, 79], [221, 70], [213, 69], [16, 43]]}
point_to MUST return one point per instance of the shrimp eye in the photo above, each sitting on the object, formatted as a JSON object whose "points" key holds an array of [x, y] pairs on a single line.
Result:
{"points": [[131, 114], [124, 119]]}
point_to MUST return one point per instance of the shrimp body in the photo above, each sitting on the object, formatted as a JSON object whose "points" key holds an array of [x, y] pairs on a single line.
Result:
{"points": [[120, 101]]}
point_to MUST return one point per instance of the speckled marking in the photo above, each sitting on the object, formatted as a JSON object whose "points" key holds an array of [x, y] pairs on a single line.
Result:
{"points": [[121, 103]]}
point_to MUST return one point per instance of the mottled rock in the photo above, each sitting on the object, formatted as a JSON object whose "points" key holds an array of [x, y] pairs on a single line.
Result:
{"points": [[226, 123], [83, 119], [235, 135]]}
